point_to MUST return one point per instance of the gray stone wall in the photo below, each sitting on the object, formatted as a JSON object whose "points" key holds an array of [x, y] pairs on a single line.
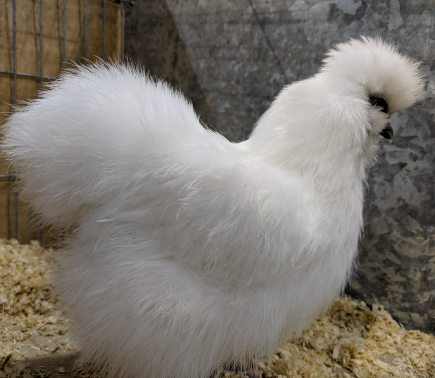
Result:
{"points": [[233, 57]]}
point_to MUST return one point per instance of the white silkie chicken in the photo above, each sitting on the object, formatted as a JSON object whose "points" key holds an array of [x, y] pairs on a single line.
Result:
{"points": [[191, 252]]}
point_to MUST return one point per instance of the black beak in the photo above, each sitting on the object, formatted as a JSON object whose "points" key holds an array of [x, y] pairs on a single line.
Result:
{"points": [[388, 133]]}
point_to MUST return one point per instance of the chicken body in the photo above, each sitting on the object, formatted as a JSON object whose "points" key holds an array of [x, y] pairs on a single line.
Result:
{"points": [[191, 252]]}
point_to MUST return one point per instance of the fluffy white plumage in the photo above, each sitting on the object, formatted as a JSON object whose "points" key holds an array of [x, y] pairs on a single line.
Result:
{"points": [[192, 252]]}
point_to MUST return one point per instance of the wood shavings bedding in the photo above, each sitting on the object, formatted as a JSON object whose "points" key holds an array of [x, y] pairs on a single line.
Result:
{"points": [[31, 324], [351, 340]]}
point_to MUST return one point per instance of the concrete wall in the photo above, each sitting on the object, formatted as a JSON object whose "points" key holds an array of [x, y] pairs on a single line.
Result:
{"points": [[233, 57]]}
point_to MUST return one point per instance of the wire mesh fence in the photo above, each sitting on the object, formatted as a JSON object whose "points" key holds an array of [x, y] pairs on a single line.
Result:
{"points": [[85, 9]]}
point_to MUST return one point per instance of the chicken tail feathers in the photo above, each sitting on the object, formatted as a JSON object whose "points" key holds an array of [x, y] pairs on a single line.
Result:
{"points": [[83, 140]]}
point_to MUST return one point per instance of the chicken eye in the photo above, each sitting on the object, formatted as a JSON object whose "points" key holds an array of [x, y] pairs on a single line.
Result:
{"points": [[379, 102]]}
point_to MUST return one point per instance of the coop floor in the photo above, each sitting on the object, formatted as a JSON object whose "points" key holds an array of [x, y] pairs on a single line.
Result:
{"points": [[351, 340]]}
